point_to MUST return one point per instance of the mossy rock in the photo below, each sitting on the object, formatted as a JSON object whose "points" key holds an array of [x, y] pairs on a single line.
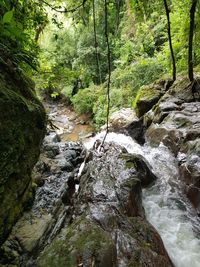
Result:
{"points": [[22, 128], [147, 97], [185, 90], [82, 243]]}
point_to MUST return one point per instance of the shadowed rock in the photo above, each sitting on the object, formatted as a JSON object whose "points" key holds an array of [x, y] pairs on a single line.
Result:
{"points": [[22, 128]]}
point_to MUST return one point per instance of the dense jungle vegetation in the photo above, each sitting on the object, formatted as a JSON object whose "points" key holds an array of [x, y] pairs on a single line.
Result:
{"points": [[83, 48]]}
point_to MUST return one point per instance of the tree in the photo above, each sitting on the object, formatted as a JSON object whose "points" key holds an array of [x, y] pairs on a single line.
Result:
{"points": [[19, 23], [170, 40], [190, 42]]}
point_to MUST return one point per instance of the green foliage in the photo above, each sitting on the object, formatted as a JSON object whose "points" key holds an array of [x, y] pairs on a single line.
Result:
{"points": [[7, 17], [125, 84], [68, 54], [143, 71], [85, 99], [18, 31]]}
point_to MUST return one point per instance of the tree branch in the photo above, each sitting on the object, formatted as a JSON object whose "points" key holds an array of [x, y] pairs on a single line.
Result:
{"points": [[65, 9]]}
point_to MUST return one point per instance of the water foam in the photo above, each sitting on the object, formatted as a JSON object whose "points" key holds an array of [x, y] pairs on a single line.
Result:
{"points": [[165, 205]]}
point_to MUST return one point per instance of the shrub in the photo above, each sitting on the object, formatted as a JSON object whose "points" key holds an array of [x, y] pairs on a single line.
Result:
{"points": [[85, 99]]}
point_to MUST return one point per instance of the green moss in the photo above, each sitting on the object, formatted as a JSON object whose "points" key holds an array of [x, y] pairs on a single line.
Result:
{"points": [[2, 189], [135, 261], [136, 99], [83, 239], [22, 128], [129, 164], [147, 96]]}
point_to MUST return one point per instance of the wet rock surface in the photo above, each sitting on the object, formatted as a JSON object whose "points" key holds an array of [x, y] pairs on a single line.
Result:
{"points": [[67, 124], [127, 122], [86, 215], [54, 181], [22, 129], [108, 226], [175, 121]]}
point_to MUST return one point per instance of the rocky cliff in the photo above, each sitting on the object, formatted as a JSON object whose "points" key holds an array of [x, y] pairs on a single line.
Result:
{"points": [[175, 121], [22, 128]]}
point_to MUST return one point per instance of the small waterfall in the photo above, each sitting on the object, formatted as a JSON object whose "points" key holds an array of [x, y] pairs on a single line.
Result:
{"points": [[165, 205]]}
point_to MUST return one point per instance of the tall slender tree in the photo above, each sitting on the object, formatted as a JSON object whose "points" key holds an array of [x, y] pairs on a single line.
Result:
{"points": [[170, 40], [190, 42]]}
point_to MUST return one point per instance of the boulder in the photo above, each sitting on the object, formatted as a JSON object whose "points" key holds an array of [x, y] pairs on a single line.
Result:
{"points": [[148, 96], [190, 173], [122, 118], [126, 121], [174, 121], [22, 129], [108, 227], [136, 130]]}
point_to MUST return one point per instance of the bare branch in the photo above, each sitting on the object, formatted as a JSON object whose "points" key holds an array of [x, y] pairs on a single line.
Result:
{"points": [[65, 9]]}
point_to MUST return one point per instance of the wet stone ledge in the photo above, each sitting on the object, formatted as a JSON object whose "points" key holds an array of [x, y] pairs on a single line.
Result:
{"points": [[108, 226]]}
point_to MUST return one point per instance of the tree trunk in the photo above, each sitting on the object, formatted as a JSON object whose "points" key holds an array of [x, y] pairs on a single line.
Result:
{"points": [[190, 43], [170, 41]]}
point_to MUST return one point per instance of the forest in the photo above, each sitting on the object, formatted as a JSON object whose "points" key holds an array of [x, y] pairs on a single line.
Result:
{"points": [[99, 133], [75, 48]]}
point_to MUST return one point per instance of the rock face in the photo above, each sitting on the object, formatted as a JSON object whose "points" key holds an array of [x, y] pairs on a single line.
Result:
{"points": [[127, 122], [175, 121], [22, 128], [100, 224], [54, 182], [149, 95], [108, 226], [122, 118]]}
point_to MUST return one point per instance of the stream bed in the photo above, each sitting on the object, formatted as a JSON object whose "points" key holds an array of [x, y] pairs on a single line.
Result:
{"points": [[67, 124], [61, 197], [166, 207]]}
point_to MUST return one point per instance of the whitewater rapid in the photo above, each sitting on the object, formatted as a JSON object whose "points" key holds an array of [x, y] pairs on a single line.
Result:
{"points": [[166, 207]]}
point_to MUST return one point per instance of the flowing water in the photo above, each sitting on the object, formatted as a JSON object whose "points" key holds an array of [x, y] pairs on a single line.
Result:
{"points": [[165, 205]]}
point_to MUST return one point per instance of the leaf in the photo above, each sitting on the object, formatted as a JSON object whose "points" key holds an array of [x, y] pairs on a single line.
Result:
{"points": [[6, 4], [7, 18], [54, 94]]}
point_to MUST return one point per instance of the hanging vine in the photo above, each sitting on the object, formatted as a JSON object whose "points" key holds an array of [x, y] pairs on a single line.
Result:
{"points": [[109, 69], [96, 43]]}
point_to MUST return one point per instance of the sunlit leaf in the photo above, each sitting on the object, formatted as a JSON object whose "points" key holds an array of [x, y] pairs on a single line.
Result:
{"points": [[7, 18]]}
